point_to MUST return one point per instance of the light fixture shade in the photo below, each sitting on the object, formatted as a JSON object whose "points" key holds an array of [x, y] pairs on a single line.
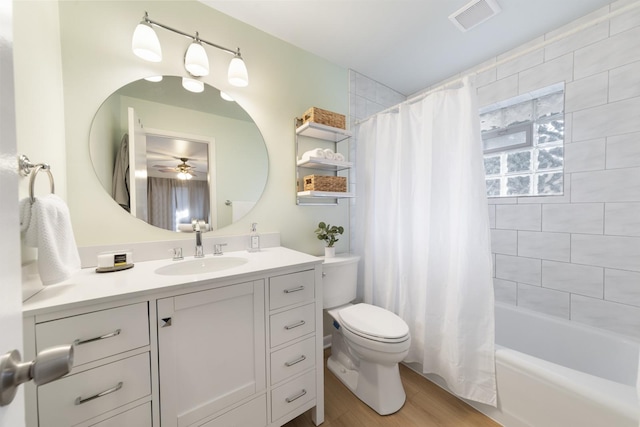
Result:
{"points": [[154, 79], [192, 85], [225, 96], [145, 43], [195, 60], [238, 75]]}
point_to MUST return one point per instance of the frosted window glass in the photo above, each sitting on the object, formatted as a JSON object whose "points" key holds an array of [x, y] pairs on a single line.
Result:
{"points": [[519, 162], [550, 105], [523, 139], [492, 165], [519, 185], [517, 114], [491, 120], [550, 183], [551, 131], [550, 158]]}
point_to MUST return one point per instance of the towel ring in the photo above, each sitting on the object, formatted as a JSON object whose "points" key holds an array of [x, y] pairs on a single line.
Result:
{"points": [[25, 167], [32, 180]]}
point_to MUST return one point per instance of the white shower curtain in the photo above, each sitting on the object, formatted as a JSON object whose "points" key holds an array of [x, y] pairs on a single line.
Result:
{"points": [[422, 230]]}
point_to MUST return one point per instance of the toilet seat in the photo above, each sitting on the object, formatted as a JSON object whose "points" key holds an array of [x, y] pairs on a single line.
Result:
{"points": [[374, 323]]}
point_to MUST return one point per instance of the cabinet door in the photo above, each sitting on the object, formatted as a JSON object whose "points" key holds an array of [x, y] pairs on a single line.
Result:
{"points": [[211, 351]]}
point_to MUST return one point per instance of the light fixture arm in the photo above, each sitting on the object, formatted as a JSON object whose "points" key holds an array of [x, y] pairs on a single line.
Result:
{"points": [[196, 37]]}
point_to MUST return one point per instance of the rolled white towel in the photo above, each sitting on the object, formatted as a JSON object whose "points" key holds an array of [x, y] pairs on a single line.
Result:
{"points": [[339, 157], [329, 155], [316, 152]]}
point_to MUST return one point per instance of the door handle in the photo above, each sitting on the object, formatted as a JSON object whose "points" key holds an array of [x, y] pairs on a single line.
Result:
{"points": [[50, 364]]}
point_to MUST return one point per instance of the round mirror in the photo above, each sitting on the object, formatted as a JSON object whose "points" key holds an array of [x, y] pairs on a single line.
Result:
{"points": [[174, 158]]}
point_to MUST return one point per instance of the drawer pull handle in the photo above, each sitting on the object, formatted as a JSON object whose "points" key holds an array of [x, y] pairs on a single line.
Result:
{"points": [[292, 290], [80, 400], [298, 360], [103, 337], [296, 396], [295, 325]]}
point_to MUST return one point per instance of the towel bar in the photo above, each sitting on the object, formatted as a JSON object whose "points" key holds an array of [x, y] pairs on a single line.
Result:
{"points": [[26, 168]]}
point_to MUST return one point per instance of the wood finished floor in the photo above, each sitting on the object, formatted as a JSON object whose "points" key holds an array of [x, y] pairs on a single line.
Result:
{"points": [[427, 405]]}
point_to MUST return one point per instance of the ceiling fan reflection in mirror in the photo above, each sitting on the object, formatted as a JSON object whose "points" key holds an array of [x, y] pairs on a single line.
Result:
{"points": [[183, 170]]}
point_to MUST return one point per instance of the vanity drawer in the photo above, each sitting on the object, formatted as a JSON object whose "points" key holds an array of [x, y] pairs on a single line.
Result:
{"points": [[98, 334], [293, 360], [292, 324], [139, 416], [251, 414], [73, 399], [291, 289], [292, 395]]}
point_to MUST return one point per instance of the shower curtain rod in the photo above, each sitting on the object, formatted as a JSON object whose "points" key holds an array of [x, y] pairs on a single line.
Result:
{"points": [[445, 85]]}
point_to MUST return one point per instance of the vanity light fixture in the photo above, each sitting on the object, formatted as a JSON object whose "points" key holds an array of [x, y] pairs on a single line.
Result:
{"points": [[225, 96], [145, 44], [195, 59], [192, 85]]}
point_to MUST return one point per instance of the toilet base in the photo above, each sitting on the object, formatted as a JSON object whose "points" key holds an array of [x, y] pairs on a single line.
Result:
{"points": [[378, 386]]}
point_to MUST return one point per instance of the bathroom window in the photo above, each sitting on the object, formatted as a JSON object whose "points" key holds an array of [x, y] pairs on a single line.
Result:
{"points": [[523, 143]]}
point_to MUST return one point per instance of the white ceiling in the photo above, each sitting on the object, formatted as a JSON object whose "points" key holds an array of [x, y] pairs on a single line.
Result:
{"points": [[407, 45]]}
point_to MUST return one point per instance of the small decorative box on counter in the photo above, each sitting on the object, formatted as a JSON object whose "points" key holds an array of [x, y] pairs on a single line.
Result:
{"points": [[325, 183], [324, 117]]}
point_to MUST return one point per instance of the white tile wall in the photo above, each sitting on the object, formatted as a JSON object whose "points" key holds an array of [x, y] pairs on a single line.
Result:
{"points": [[577, 255], [622, 219], [504, 242], [553, 246], [543, 300], [622, 286], [623, 151], [574, 278], [573, 218]]}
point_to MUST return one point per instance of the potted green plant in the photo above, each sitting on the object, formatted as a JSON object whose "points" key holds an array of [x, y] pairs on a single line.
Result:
{"points": [[328, 233]]}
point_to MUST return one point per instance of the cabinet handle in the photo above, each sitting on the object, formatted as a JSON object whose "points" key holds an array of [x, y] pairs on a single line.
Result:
{"points": [[289, 291], [295, 325], [296, 396], [80, 400], [298, 360], [103, 337]]}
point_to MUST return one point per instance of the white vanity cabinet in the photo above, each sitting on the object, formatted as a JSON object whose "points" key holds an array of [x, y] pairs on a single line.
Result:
{"points": [[111, 367], [294, 350], [240, 349], [211, 353]]}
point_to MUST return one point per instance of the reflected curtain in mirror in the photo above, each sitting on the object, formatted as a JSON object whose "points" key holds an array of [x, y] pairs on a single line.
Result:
{"points": [[187, 200]]}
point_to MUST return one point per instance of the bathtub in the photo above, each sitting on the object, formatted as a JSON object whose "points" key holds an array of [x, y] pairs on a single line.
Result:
{"points": [[555, 373]]}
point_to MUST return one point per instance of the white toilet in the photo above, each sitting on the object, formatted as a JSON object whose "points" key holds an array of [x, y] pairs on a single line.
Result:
{"points": [[367, 342]]}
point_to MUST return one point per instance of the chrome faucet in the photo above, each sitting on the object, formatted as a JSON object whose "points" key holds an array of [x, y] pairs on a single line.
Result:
{"points": [[199, 248]]}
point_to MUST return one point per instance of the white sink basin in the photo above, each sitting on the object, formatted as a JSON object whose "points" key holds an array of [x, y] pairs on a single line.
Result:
{"points": [[200, 266]]}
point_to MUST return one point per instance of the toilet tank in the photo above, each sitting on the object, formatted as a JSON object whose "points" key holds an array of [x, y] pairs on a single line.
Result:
{"points": [[340, 280]]}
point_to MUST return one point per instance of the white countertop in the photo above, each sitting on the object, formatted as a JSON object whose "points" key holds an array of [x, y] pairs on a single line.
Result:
{"points": [[87, 286]]}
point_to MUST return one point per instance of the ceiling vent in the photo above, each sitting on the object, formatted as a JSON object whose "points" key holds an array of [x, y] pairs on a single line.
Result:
{"points": [[474, 14]]}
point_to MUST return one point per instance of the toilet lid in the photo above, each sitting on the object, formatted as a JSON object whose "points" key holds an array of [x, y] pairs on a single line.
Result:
{"points": [[366, 319]]}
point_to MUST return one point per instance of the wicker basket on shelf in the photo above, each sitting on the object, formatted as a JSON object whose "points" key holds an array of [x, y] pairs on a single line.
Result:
{"points": [[325, 183], [324, 117]]}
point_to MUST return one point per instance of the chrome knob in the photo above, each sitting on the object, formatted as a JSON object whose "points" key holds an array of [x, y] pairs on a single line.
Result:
{"points": [[49, 365]]}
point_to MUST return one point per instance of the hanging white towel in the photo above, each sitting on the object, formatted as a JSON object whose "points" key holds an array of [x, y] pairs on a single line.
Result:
{"points": [[46, 224]]}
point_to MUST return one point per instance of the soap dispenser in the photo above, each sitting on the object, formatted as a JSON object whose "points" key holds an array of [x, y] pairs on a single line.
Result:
{"points": [[254, 238]]}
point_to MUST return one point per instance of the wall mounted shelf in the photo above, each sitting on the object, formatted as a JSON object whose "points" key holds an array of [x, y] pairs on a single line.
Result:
{"points": [[328, 166]]}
